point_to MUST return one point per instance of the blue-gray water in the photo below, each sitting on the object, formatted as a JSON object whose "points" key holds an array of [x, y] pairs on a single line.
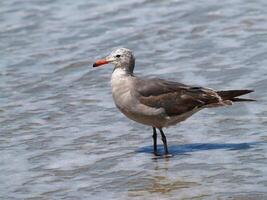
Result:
{"points": [[61, 136]]}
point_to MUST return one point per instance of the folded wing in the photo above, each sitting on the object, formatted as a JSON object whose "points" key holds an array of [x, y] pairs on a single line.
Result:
{"points": [[175, 98]]}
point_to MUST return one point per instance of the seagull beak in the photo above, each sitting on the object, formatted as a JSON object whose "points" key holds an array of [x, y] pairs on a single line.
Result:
{"points": [[100, 62]]}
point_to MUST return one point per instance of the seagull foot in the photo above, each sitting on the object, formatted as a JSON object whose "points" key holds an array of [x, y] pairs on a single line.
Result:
{"points": [[167, 155], [162, 156]]}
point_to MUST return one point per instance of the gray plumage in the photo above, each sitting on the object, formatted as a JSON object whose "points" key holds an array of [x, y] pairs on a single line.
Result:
{"points": [[156, 102]]}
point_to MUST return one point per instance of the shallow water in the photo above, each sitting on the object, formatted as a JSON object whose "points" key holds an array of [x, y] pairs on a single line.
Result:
{"points": [[61, 136]]}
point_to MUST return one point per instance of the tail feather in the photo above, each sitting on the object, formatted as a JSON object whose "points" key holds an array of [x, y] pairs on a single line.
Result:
{"points": [[232, 94]]}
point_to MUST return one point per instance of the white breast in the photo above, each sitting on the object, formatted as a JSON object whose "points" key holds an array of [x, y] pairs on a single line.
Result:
{"points": [[121, 88]]}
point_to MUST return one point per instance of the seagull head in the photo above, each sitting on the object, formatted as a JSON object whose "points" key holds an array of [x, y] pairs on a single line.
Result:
{"points": [[120, 58]]}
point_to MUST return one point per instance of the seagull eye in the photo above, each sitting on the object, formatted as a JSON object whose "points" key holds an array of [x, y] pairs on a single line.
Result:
{"points": [[117, 56]]}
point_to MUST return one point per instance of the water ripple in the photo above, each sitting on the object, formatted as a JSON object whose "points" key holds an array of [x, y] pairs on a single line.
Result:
{"points": [[61, 136]]}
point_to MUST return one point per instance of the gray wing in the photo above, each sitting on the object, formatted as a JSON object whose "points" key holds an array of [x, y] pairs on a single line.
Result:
{"points": [[175, 98]]}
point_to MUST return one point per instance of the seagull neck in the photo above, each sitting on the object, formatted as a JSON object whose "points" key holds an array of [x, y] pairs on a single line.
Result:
{"points": [[119, 78], [119, 71]]}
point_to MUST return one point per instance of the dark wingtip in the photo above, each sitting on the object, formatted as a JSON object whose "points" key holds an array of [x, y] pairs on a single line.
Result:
{"points": [[249, 91], [241, 99], [230, 94], [245, 91], [94, 65]]}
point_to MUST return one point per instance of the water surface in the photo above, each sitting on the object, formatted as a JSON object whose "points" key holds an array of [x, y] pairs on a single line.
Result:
{"points": [[61, 136]]}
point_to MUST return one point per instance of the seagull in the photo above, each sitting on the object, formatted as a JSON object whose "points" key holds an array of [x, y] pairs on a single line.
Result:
{"points": [[156, 102]]}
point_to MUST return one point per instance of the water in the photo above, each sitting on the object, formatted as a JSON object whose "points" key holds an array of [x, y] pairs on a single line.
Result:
{"points": [[61, 136]]}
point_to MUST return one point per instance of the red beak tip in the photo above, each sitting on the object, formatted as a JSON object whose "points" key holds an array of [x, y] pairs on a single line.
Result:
{"points": [[100, 62]]}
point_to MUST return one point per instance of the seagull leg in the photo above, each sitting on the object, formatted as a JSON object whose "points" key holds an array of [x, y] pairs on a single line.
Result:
{"points": [[154, 136], [164, 140]]}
